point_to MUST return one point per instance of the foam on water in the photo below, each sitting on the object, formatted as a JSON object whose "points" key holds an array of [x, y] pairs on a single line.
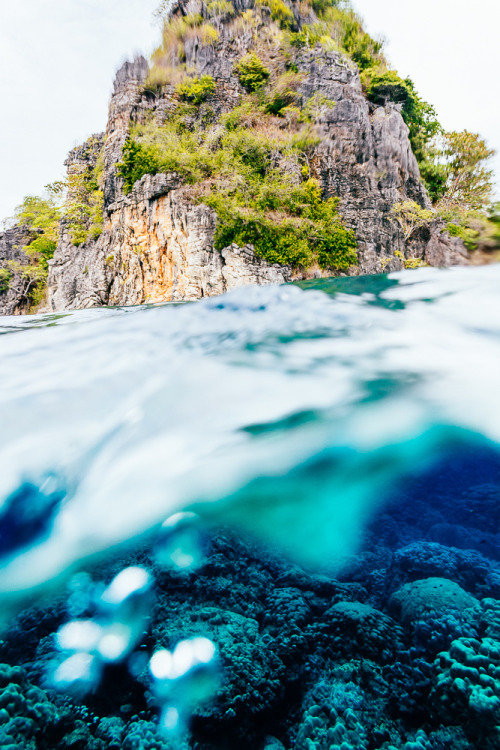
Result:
{"points": [[285, 410]]}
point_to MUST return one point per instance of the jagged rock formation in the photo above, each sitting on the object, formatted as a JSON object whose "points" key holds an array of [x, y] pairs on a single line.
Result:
{"points": [[127, 96], [158, 243], [156, 246], [13, 299]]}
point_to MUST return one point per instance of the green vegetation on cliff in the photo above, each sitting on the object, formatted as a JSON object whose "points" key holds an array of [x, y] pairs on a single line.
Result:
{"points": [[169, 60], [286, 224], [75, 203], [252, 168], [256, 165], [84, 201], [253, 164], [383, 86], [41, 217], [196, 90], [252, 72], [453, 165], [5, 277], [338, 27]]}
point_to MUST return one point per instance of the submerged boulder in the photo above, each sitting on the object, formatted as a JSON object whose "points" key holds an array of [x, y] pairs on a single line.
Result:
{"points": [[413, 600]]}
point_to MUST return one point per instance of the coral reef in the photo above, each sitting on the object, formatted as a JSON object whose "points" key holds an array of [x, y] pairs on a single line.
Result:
{"points": [[399, 650]]}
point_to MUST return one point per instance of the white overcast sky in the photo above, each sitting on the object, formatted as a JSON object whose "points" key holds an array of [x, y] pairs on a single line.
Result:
{"points": [[58, 58]]}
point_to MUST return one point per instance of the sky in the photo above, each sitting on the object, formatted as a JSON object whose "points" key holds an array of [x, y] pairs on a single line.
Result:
{"points": [[450, 49], [57, 64], [58, 59]]}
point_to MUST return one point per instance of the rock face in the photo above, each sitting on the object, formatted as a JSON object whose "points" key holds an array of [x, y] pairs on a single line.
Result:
{"points": [[156, 245], [12, 285], [126, 96], [365, 157], [158, 241]]}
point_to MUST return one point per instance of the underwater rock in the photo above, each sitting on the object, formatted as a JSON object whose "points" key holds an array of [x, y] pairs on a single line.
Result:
{"points": [[144, 735], [344, 709], [416, 599], [420, 560], [286, 608], [461, 537], [490, 618], [331, 718], [253, 676], [467, 687], [111, 729], [360, 629], [273, 744], [434, 631], [306, 669], [28, 719]]}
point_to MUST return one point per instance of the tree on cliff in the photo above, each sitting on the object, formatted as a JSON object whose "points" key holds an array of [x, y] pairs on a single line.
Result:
{"points": [[410, 217], [464, 200], [42, 216], [27, 280], [4, 279], [453, 165], [469, 182]]}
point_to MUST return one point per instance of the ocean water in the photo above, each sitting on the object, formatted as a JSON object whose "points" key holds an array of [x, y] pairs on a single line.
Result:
{"points": [[267, 520]]}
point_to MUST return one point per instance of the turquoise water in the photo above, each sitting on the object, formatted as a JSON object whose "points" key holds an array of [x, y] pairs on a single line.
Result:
{"points": [[294, 413], [131, 414]]}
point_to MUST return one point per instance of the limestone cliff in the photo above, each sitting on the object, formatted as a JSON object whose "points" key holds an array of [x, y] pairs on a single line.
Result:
{"points": [[14, 287], [157, 242]]}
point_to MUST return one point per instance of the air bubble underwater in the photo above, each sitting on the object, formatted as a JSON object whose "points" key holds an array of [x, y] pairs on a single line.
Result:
{"points": [[183, 679], [118, 618], [181, 542], [119, 622]]}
